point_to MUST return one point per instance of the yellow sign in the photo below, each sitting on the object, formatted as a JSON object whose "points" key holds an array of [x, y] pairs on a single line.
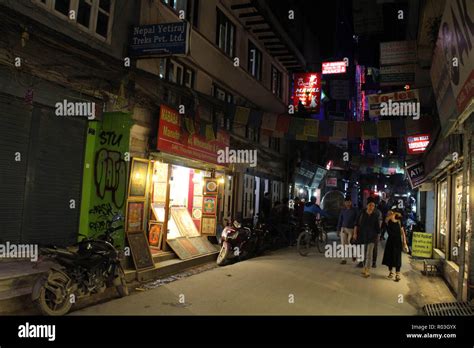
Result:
{"points": [[422, 244]]}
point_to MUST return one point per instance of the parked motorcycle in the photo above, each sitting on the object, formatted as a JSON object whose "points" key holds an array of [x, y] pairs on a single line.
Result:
{"points": [[241, 242], [87, 268]]}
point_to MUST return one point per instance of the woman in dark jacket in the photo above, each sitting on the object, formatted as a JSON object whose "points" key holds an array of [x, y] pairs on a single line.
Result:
{"points": [[396, 242]]}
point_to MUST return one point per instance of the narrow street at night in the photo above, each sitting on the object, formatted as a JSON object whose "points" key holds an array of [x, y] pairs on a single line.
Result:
{"points": [[187, 171], [284, 283]]}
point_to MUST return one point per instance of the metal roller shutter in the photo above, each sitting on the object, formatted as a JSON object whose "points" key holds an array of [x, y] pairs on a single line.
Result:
{"points": [[15, 120], [54, 178]]}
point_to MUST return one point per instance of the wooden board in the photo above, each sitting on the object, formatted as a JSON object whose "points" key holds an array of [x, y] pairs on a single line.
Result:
{"points": [[140, 250], [184, 222], [187, 248]]}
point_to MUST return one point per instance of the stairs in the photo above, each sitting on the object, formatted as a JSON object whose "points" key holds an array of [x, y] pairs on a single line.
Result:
{"points": [[167, 263]]}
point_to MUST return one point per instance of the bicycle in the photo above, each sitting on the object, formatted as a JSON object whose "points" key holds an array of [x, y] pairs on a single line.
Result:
{"points": [[310, 237]]}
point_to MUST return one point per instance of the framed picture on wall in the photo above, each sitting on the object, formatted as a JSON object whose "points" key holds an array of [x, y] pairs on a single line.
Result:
{"points": [[209, 205], [210, 186], [138, 178], [159, 192], [155, 229], [208, 225], [135, 216]]}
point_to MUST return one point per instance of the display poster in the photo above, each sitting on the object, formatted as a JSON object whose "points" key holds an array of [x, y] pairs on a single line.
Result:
{"points": [[422, 244], [135, 216], [138, 178]]}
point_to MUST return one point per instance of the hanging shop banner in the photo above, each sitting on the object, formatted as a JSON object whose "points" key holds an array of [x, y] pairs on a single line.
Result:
{"points": [[397, 75], [306, 94], [422, 244], [333, 67], [305, 172], [417, 144], [172, 140], [375, 100], [452, 69], [160, 39], [318, 177], [416, 174], [397, 52]]}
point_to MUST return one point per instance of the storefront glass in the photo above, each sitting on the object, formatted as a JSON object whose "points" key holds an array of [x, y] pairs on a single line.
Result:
{"points": [[457, 210], [443, 215]]}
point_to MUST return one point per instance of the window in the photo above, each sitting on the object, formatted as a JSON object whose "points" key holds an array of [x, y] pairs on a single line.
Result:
{"points": [[274, 143], [93, 16], [254, 61], [177, 5], [252, 134], [180, 74], [225, 34], [276, 82], [222, 94], [456, 235], [443, 215]]}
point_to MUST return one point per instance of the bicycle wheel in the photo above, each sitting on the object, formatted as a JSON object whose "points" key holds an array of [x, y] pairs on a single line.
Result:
{"points": [[321, 240], [303, 243]]}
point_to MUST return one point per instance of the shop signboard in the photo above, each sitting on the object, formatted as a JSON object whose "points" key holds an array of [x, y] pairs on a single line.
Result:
{"points": [[331, 182], [397, 52], [307, 92], [422, 244], [334, 67], [171, 139], [340, 89], [416, 174], [397, 75], [160, 39], [305, 172], [452, 69], [375, 100], [417, 144]]}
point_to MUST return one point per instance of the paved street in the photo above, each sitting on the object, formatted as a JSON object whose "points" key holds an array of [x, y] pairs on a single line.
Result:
{"points": [[267, 285]]}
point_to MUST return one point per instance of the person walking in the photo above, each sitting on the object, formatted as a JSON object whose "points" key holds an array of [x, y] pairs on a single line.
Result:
{"points": [[380, 216], [346, 223], [396, 242], [366, 231]]}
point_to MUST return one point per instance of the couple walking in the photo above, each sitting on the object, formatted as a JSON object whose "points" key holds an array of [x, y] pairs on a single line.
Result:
{"points": [[365, 229]]}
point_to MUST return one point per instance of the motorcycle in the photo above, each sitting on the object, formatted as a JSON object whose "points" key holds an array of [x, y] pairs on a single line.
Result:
{"points": [[86, 268], [240, 242]]}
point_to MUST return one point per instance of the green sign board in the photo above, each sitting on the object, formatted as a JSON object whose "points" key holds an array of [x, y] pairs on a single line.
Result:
{"points": [[422, 244], [104, 188]]}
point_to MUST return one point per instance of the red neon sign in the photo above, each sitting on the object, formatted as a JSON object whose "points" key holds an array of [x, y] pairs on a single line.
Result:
{"points": [[307, 91], [334, 67], [417, 143]]}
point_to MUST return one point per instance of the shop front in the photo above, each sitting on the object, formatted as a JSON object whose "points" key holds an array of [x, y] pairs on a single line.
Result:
{"points": [[186, 195]]}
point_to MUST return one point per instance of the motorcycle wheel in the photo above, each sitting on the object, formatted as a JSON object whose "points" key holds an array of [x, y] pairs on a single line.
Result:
{"points": [[223, 254], [122, 289], [303, 243], [46, 300]]}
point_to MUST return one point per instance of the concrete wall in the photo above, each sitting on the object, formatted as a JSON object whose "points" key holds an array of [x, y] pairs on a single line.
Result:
{"points": [[125, 14], [212, 65]]}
